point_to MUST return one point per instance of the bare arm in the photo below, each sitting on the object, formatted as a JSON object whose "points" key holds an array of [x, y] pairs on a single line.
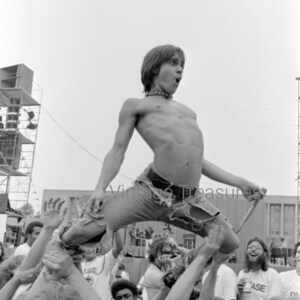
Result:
{"points": [[60, 264], [114, 158], [52, 218], [118, 244], [184, 286], [208, 288], [28, 276], [248, 188]]}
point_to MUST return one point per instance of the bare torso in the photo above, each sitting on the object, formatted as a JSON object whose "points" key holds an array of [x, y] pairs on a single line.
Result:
{"points": [[171, 130]]}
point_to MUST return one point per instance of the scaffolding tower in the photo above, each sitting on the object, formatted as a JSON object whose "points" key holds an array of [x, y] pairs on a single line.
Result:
{"points": [[19, 118], [298, 167]]}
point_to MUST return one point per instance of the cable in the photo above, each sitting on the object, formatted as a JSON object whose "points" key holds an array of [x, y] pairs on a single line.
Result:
{"points": [[77, 143]]}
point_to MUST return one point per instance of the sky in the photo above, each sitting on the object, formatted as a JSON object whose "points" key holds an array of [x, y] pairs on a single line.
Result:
{"points": [[242, 58]]}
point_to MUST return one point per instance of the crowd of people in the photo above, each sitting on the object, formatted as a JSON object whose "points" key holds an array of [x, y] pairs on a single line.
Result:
{"points": [[50, 270]]}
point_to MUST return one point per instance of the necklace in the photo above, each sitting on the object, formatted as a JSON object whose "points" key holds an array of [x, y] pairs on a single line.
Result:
{"points": [[159, 93]]}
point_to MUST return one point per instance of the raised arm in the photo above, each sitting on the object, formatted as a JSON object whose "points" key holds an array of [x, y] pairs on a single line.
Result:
{"points": [[114, 158], [208, 288], [52, 218], [118, 244], [250, 190], [184, 286]]}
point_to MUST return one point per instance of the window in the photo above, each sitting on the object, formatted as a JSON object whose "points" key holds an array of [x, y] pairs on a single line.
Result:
{"points": [[275, 212]]}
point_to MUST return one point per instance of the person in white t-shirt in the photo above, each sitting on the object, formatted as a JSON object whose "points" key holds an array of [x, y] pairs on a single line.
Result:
{"points": [[97, 269], [257, 279], [160, 253], [226, 282], [32, 231], [290, 280]]}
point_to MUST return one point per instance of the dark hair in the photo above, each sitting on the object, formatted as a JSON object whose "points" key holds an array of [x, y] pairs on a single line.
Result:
{"points": [[121, 285], [2, 256], [30, 226], [265, 259], [156, 247], [153, 61], [295, 248]]}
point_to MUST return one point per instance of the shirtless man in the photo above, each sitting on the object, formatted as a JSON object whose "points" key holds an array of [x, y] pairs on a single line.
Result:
{"points": [[167, 190]]}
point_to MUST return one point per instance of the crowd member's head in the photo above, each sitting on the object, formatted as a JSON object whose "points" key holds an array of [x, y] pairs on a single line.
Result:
{"points": [[2, 253], [32, 231], [9, 267], [257, 255], [124, 289], [160, 250], [90, 253], [296, 253], [153, 61], [58, 290]]}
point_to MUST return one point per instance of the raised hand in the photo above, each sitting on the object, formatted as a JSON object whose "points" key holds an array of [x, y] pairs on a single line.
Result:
{"points": [[59, 263], [220, 257], [212, 242], [52, 214]]}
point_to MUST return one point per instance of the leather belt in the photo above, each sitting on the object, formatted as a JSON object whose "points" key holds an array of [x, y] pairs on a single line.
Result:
{"points": [[180, 192]]}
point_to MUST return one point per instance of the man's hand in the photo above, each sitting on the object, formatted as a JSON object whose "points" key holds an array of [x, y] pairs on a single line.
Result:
{"points": [[95, 203], [241, 284], [253, 192], [213, 241], [59, 263], [52, 215], [220, 257]]}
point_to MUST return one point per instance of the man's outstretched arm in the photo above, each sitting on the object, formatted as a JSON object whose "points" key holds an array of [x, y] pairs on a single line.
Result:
{"points": [[248, 188]]}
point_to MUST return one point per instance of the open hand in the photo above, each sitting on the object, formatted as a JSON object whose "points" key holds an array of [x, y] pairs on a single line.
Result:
{"points": [[52, 215]]}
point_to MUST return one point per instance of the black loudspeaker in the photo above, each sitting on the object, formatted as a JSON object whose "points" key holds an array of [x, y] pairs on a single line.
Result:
{"points": [[10, 150]]}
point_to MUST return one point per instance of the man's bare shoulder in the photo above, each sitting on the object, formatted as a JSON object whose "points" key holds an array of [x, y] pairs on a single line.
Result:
{"points": [[134, 105]]}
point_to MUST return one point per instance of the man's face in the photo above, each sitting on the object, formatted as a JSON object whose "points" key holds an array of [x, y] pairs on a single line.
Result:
{"points": [[125, 294], [169, 76], [164, 257], [255, 251], [33, 236], [89, 254]]}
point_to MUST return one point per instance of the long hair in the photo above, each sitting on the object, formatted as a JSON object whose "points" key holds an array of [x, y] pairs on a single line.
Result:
{"points": [[156, 247], [2, 256], [264, 259], [153, 61], [295, 248]]}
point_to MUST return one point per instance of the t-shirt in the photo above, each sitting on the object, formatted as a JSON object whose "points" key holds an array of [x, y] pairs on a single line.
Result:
{"points": [[289, 284], [23, 249], [97, 273], [152, 282], [226, 282], [259, 284]]}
